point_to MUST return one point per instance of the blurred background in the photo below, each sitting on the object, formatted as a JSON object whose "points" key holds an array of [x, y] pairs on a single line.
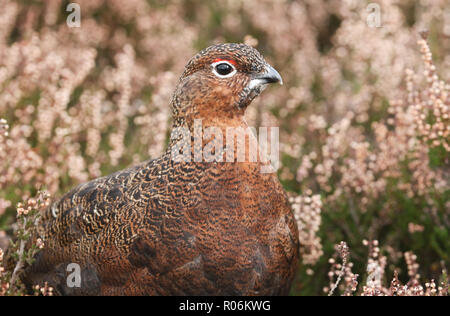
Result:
{"points": [[363, 115]]}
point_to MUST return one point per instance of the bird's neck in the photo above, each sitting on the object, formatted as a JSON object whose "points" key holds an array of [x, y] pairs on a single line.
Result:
{"points": [[202, 127], [218, 139]]}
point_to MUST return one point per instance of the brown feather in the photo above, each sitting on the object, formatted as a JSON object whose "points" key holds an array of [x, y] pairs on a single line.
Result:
{"points": [[178, 228]]}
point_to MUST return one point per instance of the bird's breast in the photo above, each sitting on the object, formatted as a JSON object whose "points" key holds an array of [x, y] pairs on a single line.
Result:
{"points": [[236, 225]]}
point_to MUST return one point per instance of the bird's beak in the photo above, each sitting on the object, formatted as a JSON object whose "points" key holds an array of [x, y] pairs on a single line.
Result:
{"points": [[269, 75], [258, 82]]}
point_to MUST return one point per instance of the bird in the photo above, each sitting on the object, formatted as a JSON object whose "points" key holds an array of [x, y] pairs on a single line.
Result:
{"points": [[179, 227]]}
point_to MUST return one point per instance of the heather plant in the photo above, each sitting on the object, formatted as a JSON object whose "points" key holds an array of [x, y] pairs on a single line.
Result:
{"points": [[343, 279], [363, 116], [23, 248]]}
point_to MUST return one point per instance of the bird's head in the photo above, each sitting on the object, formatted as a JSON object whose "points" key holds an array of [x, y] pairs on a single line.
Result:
{"points": [[221, 81]]}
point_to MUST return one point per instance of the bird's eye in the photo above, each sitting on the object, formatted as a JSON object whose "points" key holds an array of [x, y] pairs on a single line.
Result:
{"points": [[223, 69]]}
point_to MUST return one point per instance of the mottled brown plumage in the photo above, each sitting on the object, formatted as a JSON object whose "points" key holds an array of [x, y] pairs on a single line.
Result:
{"points": [[166, 227]]}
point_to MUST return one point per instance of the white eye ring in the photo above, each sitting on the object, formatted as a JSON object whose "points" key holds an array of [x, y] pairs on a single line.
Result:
{"points": [[231, 74]]}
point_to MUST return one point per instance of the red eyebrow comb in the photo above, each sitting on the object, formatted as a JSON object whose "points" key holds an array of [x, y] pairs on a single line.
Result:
{"points": [[221, 59]]}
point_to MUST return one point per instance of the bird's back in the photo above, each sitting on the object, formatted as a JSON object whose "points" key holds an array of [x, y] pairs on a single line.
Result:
{"points": [[170, 228]]}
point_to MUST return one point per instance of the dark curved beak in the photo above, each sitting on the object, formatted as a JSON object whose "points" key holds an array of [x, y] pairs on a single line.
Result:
{"points": [[270, 75]]}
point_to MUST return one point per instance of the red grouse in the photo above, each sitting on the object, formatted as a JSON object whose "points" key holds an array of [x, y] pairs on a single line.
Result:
{"points": [[179, 227]]}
